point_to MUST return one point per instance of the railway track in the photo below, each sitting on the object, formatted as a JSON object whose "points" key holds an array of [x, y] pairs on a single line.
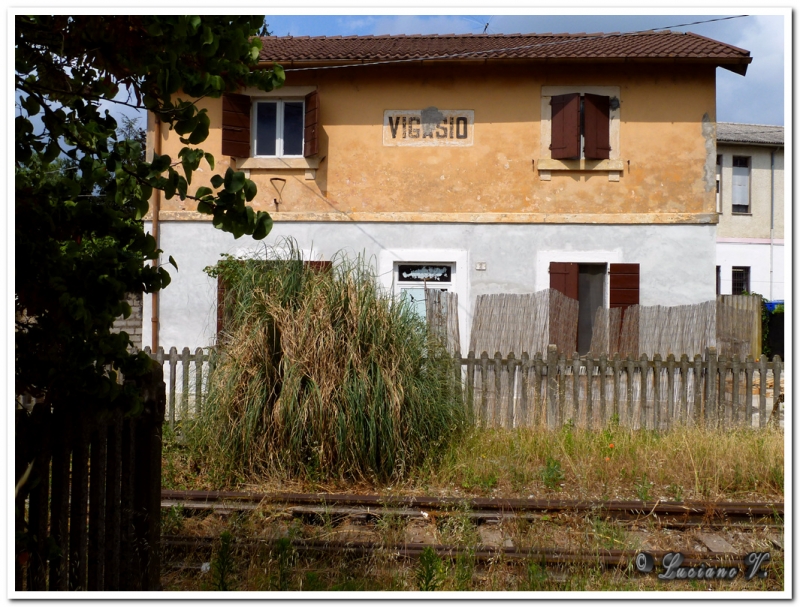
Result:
{"points": [[557, 534], [366, 508]]}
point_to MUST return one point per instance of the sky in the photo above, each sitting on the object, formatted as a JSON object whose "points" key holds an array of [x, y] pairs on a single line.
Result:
{"points": [[756, 98]]}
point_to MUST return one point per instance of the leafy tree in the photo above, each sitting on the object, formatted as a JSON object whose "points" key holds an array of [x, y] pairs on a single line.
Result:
{"points": [[82, 187]]}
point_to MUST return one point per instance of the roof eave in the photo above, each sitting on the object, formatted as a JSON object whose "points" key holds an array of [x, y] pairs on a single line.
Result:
{"points": [[762, 144], [738, 65]]}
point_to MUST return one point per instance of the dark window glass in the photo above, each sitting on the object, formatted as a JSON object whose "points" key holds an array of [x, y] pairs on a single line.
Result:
{"points": [[719, 279], [741, 280], [423, 273], [266, 129], [293, 128]]}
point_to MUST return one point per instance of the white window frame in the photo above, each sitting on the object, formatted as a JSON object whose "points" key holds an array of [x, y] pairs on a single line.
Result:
{"points": [[279, 113], [404, 285], [738, 174], [458, 259]]}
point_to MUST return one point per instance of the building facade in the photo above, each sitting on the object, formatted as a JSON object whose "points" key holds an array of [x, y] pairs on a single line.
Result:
{"points": [[750, 197], [479, 164]]}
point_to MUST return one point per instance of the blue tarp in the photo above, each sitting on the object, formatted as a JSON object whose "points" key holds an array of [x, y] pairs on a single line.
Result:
{"points": [[771, 305]]}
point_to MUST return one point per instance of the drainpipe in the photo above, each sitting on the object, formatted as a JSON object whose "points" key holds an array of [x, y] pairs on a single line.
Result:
{"points": [[156, 208], [771, 214]]}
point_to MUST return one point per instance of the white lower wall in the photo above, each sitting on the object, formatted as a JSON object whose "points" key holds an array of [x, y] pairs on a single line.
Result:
{"points": [[756, 256], [677, 262]]}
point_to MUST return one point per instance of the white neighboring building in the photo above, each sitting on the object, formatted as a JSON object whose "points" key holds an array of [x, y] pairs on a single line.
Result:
{"points": [[750, 203]]}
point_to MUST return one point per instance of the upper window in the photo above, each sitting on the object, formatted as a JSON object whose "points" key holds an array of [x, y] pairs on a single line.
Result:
{"points": [[719, 185], [580, 126], [740, 190], [278, 128], [270, 127], [580, 130]]}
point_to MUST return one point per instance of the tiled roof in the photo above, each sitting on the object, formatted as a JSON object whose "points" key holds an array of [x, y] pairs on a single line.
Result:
{"points": [[644, 45], [758, 134]]}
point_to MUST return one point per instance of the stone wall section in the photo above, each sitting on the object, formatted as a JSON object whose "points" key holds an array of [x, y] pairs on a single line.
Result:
{"points": [[133, 324]]}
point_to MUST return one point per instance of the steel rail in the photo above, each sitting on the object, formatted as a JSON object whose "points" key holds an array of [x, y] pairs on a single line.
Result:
{"points": [[482, 553], [328, 500]]}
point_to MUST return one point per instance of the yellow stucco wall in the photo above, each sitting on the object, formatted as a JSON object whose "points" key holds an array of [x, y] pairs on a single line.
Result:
{"points": [[667, 152]]}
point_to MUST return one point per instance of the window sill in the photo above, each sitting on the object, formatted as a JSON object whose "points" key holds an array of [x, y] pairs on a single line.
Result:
{"points": [[277, 163], [309, 165], [612, 166], [742, 214]]}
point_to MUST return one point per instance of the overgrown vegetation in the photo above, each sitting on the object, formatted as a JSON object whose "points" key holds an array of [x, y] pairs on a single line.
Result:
{"points": [[323, 376]]}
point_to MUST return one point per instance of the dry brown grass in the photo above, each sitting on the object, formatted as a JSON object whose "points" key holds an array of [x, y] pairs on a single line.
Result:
{"points": [[616, 463]]}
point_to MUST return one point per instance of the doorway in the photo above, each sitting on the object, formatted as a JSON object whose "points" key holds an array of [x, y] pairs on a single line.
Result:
{"points": [[591, 294]]}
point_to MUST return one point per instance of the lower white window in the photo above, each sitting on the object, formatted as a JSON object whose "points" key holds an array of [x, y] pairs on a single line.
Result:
{"points": [[412, 280]]}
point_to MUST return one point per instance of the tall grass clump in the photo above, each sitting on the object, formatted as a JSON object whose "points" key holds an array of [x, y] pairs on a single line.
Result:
{"points": [[322, 376]]}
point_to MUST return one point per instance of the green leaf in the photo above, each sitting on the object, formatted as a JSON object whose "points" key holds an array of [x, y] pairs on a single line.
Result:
{"points": [[208, 35], [210, 160], [199, 134], [160, 163], [31, 105], [250, 190], [217, 181], [204, 207], [203, 191], [234, 180], [172, 262], [263, 226]]}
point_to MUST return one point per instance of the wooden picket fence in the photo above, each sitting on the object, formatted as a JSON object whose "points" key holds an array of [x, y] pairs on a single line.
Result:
{"points": [[88, 515], [187, 376], [648, 393], [552, 389]]}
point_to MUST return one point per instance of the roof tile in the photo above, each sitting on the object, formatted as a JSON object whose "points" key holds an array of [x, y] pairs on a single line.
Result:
{"points": [[642, 45], [759, 134]]}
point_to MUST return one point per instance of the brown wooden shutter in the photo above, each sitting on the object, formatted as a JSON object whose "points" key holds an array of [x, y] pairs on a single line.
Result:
{"points": [[310, 134], [236, 125], [624, 285], [565, 130], [595, 126], [564, 278]]}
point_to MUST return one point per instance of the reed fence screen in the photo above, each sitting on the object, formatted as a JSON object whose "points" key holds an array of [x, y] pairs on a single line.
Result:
{"points": [[532, 321], [526, 322], [88, 515]]}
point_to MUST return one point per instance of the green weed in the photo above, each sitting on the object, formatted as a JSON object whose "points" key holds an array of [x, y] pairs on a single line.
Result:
{"points": [[429, 570], [222, 564], [642, 487], [552, 474]]}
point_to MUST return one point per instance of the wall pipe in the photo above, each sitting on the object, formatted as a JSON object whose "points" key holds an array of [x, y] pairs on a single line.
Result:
{"points": [[156, 209]]}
